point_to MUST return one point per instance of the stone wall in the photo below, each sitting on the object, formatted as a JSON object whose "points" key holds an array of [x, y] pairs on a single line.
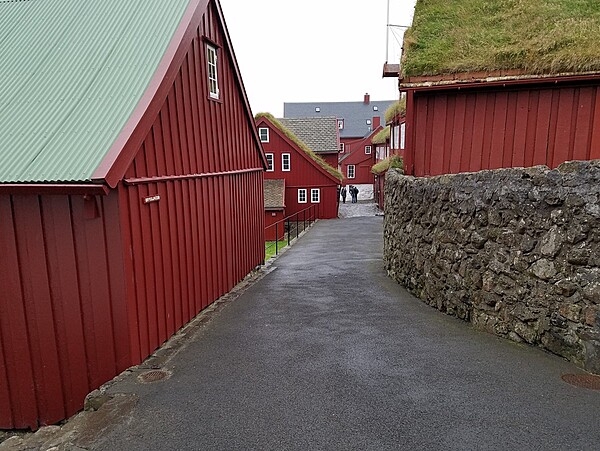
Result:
{"points": [[514, 251]]}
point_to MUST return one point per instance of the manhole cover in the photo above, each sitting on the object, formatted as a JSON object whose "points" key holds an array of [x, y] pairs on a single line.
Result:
{"points": [[588, 381], [153, 376]]}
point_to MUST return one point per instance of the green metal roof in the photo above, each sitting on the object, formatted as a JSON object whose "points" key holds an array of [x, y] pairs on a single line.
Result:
{"points": [[72, 72]]}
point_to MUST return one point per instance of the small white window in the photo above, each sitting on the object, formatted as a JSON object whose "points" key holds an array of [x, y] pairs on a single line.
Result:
{"points": [[340, 124], [213, 79], [368, 121], [269, 162], [302, 195], [350, 171], [317, 109], [315, 195], [375, 108], [285, 162], [402, 135], [368, 150], [263, 133], [342, 147]]}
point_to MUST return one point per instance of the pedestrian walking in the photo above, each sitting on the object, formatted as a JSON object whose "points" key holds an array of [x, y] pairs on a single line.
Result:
{"points": [[344, 194]]}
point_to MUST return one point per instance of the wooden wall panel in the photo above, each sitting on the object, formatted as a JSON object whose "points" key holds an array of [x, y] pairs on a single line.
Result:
{"points": [[471, 130], [62, 312]]}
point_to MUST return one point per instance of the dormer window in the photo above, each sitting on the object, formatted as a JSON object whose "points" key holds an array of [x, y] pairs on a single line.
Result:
{"points": [[317, 109], [340, 123]]}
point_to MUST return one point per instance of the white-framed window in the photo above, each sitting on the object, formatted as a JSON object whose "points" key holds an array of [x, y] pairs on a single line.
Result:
{"points": [[285, 162], [263, 133], [340, 124], [402, 134], [213, 76], [342, 147], [315, 195], [395, 137], [270, 160], [351, 171], [368, 150], [302, 195], [368, 121]]}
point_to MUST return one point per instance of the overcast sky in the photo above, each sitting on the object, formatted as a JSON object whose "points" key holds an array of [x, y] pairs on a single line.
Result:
{"points": [[314, 50]]}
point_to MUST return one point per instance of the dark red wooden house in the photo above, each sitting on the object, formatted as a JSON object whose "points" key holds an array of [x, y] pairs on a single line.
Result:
{"points": [[357, 163], [519, 104], [129, 164], [309, 180]]}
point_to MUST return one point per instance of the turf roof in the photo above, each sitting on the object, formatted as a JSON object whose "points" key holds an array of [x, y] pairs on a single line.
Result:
{"points": [[398, 107], [530, 36], [331, 170], [393, 161]]}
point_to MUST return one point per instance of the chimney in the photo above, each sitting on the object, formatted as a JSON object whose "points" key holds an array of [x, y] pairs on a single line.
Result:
{"points": [[367, 99], [376, 122]]}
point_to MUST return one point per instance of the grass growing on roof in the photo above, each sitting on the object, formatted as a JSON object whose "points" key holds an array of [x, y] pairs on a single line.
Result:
{"points": [[398, 107], [381, 136], [393, 161], [337, 174], [533, 36]]}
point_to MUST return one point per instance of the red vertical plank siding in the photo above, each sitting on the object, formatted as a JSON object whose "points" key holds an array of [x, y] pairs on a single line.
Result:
{"points": [[438, 143], [65, 288], [584, 122], [22, 410], [62, 339], [498, 131], [595, 136], [509, 135], [467, 142], [38, 308], [542, 128], [512, 126]]}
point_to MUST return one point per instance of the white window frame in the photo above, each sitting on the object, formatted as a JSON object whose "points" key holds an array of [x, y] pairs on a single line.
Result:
{"points": [[213, 73], [286, 167], [270, 162], [302, 196], [342, 147], [340, 123], [315, 195], [402, 134], [368, 150], [264, 130], [351, 171]]}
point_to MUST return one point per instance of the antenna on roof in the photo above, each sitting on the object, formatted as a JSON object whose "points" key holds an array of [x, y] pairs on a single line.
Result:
{"points": [[387, 32]]}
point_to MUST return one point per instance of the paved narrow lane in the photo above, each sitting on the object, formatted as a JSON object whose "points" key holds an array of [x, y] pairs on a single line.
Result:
{"points": [[326, 353]]}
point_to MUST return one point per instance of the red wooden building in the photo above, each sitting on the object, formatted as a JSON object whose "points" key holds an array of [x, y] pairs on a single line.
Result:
{"points": [[485, 109], [356, 163], [308, 179], [122, 192]]}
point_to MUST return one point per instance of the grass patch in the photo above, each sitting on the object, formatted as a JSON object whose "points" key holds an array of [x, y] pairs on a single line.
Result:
{"points": [[533, 36], [270, 249], [381, 136], [396, 108], [393, 161]]}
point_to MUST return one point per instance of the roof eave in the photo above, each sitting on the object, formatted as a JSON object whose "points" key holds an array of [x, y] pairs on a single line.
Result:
{"points": [[473, 79], [92, 189]]}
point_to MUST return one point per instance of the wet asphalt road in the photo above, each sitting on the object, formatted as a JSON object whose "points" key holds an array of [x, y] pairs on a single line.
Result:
{"points": [[327, 353]]}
